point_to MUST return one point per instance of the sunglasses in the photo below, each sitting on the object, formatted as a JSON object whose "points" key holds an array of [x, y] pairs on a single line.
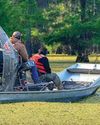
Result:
{"points": [[17, 37]]}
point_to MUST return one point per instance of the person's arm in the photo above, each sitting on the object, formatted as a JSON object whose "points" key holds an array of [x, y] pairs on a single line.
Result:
{"points": [[21, 50], [45, 62]]}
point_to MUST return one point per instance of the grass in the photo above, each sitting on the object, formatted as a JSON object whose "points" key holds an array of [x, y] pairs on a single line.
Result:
{"points": [[59, 66], [37, 113], [84, 112], [65, 58]]}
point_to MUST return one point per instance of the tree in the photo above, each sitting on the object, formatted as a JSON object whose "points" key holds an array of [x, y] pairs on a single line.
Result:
{"points": [[28, 33], [73, 22], [83, 9]]}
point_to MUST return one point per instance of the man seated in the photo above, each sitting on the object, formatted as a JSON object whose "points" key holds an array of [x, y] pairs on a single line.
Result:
{"points": [[44, 69], [20, 47]]}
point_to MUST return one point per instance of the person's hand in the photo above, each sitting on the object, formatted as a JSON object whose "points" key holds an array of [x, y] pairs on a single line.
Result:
{"points": [[11, 39]]}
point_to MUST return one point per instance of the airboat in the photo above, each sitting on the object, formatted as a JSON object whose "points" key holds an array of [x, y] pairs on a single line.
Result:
{"points": [[78, 80]]}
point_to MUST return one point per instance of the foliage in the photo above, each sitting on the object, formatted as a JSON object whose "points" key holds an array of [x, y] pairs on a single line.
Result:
{"points": [[65, 27], [65, 22]]}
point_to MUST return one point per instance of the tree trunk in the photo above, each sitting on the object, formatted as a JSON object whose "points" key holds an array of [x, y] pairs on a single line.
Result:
{"points": [[28, 32], [83, 9], [94, 7]]}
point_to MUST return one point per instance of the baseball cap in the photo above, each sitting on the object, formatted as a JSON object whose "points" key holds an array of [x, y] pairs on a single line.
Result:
{"points": [[17, 34]]}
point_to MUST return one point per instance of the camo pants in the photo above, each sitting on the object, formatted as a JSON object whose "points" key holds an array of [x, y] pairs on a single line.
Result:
{"points": [[51, 77]]}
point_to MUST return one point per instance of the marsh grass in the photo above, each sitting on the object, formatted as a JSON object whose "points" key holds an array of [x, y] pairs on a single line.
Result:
{"points": [[84, 112]]}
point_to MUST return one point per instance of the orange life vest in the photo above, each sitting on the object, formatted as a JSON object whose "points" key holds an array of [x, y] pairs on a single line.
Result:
{"points": [[39, 65]]}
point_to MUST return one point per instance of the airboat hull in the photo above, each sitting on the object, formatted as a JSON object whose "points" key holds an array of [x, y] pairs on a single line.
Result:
{"points": [[89, 83], [49, 96], [80, 72]]}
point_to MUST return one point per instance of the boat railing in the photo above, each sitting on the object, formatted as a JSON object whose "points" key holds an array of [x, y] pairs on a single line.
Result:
{"points": [[84, 71], [35, 87]]}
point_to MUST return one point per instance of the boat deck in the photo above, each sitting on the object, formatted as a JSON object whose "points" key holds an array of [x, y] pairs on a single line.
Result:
{"points": [[75, 84]]}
